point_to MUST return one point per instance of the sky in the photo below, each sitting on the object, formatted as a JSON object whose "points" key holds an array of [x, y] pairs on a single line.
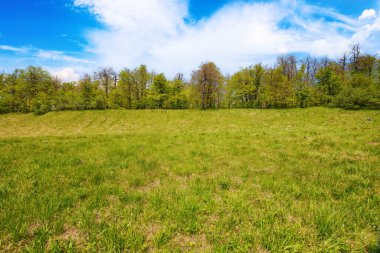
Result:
{"points": [[73, 37]]}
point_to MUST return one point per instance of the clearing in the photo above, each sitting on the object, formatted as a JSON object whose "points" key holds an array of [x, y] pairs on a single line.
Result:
{"points": [[297, 180]]}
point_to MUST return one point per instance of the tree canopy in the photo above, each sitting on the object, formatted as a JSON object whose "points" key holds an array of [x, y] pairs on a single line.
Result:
{"points": [[351, 82]]}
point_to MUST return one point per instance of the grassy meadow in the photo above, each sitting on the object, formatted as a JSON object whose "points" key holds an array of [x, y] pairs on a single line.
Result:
{"points": [[296, 180]]}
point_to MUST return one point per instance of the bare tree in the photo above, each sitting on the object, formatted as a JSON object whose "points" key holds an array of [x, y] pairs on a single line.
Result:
{"points": [[311, 67], [343, 65], [288, 65], [325, 61], [354, 57], [106, 76]]}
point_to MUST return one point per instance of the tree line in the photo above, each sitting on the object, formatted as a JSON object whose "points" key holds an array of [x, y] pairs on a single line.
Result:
{"points": [[351, 82]]}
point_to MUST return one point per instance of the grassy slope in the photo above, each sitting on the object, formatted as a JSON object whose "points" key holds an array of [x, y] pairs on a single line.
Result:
{"points": [[261, 180]]}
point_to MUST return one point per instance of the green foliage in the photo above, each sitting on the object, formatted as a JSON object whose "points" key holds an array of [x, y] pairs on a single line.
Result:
{"points": [[131, 90], [360, 92], [158, 94], [90, 95], [329, 84], [5, 102], [178, 98], [277, 90], [243, 83], [207, 86], [316, 82], [41, 104], [302, 89]]}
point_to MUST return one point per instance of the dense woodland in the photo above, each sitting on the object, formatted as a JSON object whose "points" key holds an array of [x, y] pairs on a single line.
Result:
{"points": [[352, 82]]}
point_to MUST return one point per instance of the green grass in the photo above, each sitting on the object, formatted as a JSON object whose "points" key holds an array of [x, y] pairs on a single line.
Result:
{"points": [[299, 180]]}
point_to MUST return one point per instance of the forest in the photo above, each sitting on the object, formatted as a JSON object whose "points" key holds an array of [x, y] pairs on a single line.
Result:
{"points": [[351, 82]]}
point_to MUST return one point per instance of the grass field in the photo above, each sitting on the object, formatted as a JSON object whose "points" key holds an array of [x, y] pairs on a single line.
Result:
{"points": [[299, 180]]}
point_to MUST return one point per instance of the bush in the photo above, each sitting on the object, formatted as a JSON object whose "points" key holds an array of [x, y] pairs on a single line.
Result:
{"points": [[42, 104]]}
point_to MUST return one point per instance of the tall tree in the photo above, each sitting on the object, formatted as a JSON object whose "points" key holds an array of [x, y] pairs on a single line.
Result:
{"points": [[143, 77], [343, 65], [277, 91], [91, 95], [311, 67], [133, 85], [208, 82], [288, 65], [244, 86], [107, 78], [354, 57], [328, 83], [159, 91], [177, 96]]}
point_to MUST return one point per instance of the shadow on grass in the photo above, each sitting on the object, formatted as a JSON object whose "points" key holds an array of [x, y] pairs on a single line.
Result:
{"points": [[374, 248]]}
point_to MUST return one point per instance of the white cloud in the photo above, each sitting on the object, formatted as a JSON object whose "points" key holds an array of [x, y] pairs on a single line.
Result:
{"points": [[13, 49], [368, 13], [45, 55], [66, 74], [58, 56], [59, 63], [158, 15], [154, 32], [162, 34], [369, 36]]}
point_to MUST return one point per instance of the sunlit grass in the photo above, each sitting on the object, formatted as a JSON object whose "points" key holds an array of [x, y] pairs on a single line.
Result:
{"points": [[204, 181]]}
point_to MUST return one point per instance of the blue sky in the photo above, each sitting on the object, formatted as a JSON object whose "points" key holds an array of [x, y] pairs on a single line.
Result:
{"points": [[70, 37]]}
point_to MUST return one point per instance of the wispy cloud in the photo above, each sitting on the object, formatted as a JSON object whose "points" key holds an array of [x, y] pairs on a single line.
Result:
{"points": [[45, 55], [58, 56], [66, 67], [13, 49], [162, 34], [157, 33]]}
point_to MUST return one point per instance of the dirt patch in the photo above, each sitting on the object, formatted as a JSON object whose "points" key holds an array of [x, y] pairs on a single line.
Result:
{"points": [[151, 186], [261, 250], [293, 219], [186, 243], [151, 231], [69, 234], [7, 245], [113, 200], [33, 228]]}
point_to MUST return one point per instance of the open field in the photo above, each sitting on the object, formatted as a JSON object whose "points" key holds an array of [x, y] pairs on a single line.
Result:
{"points": [[297, 180]]}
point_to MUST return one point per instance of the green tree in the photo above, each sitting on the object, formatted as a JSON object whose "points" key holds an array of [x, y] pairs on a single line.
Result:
{"points": [[244, 85], [207, 83], [158, 93], [177, 94], [277, 90], [360, 92], [302, 89], [132, 87], [244, 88], [107, 79], [4, 95], [92, 97], [329, 84], [33, 89], [69, 97]]}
